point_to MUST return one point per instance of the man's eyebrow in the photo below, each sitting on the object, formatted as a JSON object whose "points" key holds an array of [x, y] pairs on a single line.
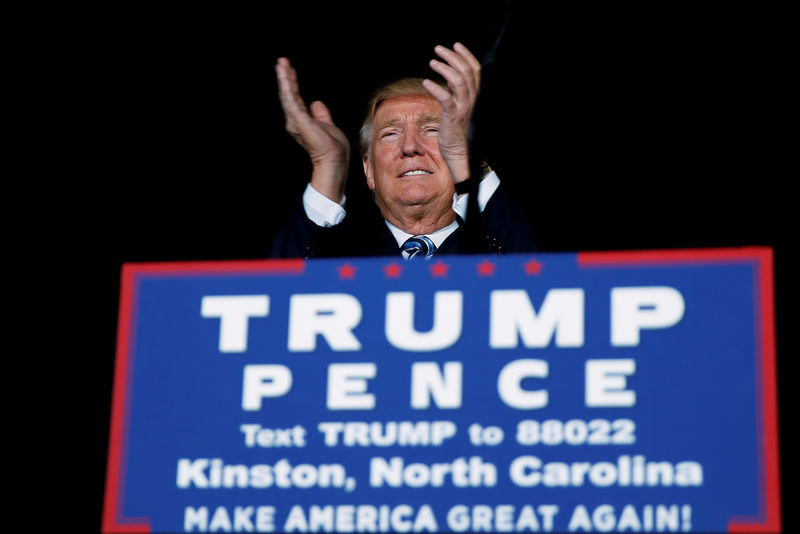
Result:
{"points": [[427, 117], [424, 118], [394, 121]]}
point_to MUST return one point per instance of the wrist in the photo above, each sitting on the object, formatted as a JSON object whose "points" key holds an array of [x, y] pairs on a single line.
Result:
{"points": [[459, 170], [330, 180], [464, 186]]}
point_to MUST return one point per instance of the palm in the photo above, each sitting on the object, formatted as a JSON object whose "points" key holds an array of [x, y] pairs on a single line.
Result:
{"points": [[313, 128]]}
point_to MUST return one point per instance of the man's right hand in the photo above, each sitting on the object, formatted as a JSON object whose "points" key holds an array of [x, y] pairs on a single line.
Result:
{"points": [[313, 128]]}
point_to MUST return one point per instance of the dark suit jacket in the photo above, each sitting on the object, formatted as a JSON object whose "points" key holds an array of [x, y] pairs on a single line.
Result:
{"points": [[503, 228]]}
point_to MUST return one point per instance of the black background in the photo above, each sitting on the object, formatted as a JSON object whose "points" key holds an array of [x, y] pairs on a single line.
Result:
{"points": [[622, 128]]}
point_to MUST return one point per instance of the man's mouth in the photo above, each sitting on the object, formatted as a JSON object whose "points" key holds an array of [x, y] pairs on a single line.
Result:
{"points": [[415, 172]]}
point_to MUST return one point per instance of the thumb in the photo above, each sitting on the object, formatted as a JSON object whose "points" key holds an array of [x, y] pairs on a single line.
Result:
{"points": [[321, 112]]}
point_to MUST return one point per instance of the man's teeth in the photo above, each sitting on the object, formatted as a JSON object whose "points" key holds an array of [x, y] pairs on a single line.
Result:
{"points": [[411, 173]]}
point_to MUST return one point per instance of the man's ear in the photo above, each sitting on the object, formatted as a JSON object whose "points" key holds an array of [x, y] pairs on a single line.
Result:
{"points": [[368, 172]]}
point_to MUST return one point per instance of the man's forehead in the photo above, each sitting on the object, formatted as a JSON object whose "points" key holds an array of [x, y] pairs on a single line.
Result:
{"points": [[417, 108]]}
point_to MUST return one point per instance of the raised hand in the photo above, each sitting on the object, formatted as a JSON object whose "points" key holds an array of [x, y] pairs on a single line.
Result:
{"points": [[462, 71], [313, 128]]}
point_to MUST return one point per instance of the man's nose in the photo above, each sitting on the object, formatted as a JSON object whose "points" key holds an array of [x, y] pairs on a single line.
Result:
{"points": [[412, 144]]}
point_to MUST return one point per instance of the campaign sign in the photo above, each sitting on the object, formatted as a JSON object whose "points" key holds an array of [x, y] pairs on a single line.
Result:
{"points": [[590, 392]]}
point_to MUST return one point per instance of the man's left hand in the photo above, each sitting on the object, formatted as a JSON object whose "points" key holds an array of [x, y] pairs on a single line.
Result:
{"points": [[462, 71]]}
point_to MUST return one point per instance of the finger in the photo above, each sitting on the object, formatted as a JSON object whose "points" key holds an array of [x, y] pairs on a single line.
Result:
{"points": [[474, 64], [321, 112], [288, 89], [464, 62], [455, 80], [459, 65], [454, 59], [441, 95]]}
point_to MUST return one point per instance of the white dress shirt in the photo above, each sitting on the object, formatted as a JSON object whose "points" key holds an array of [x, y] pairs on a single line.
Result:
{"points": [[325, 212]]}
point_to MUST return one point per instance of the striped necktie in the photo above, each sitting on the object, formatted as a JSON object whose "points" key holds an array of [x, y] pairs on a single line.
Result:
{"points": [[418, 246]]}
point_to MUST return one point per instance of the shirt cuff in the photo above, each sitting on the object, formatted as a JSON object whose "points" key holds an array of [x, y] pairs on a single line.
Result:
{"points": [[321, 210], [486, 189]]}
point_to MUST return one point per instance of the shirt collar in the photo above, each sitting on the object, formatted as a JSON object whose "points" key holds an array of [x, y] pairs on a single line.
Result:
{"points": [[437, 237]]}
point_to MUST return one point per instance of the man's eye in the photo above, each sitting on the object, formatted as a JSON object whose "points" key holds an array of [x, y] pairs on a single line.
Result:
{"points": [[388, 135], [432, 130]]}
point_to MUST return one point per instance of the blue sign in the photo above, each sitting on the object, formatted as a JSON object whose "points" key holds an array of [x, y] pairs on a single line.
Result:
{"points": [[591, 392]]}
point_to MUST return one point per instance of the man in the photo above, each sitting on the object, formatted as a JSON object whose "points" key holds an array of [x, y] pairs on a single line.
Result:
{"points": [[415, 156]]}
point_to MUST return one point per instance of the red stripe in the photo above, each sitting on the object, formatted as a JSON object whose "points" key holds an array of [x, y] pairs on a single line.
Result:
{"points": [[287, 266], [769, 405], [649, 257], [113, 495]]}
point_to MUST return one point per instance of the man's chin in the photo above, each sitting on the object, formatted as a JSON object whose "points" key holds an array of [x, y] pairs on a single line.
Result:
{"points": [[418, 198]]}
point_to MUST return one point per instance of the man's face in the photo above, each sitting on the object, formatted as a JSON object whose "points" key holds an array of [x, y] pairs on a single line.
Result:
{"points": [[403, 165]]}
